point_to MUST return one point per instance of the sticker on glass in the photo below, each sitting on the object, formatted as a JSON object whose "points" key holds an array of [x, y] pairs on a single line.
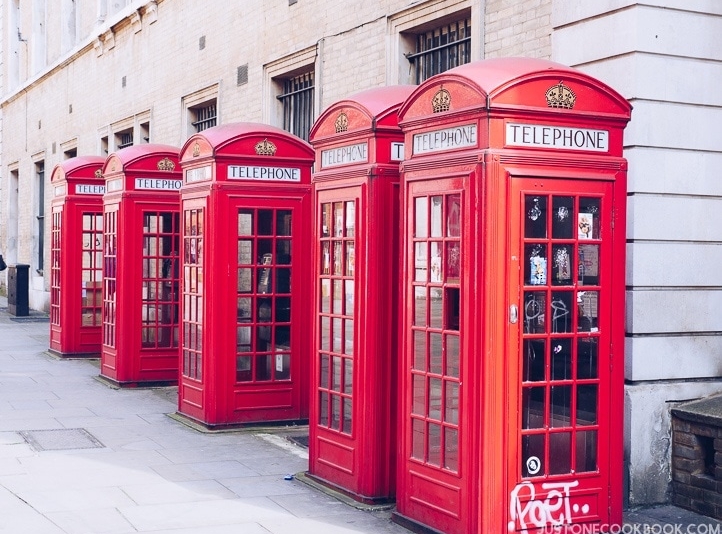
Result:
{"points": [[585, 225], [538, 270]]}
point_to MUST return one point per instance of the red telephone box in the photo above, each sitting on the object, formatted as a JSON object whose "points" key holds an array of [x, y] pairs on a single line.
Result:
{"points": [[352, 423], [514, 197], [140, 273], [76, 268], [246, 209]]}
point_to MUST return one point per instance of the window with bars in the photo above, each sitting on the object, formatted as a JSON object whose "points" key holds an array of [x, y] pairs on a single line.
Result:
{"points": [[204, 116], [297, 100], [124, 139], [441, 49]]}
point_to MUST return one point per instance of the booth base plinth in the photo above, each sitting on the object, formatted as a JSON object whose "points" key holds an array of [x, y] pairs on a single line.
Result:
{"points": [[115, 384], [73, 355], [352, 499], [257, 426]]}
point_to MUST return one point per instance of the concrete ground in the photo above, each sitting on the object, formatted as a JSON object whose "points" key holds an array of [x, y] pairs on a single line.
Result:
{"points": [[79, 457]]}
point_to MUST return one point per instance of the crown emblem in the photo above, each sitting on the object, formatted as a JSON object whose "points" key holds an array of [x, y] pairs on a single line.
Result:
{"points": [[196, 149], [98, 173], [265, 148], [560, 96], [166, 165], [341, 123], [441, 101]]}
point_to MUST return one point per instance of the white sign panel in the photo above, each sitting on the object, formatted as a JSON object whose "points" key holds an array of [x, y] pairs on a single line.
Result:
{"points": [[344, 155], [163, 184], [198, 174], [278, 174], [114, 185], [545, 136], [89, 189], [446, 139], [397, 151]]}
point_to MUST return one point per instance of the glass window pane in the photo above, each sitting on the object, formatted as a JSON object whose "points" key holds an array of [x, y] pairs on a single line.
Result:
{"points": [[586, 449], [348, 376], [245, 280], [563, 217], [283, 280], [588, 303], [338, 296], [326, 220], [350, 219], [283, 251], [418, 390], [534, 360], [420, 262], [350, 259], [435, 353], [560, 454], [245, 222], [588, 224], [451, 403], [453, 261], [587, 405], [561, 359], [435, 398], [436, 220], [532, 415], [323, 408], [437, 309], [535, 265], [588, 270], [348, 307], [437, 275], [348, 337], [453, 215], [535, 222], [243, 368], [338, 225], [347, 415], [560, 406], [336, 412], [563, 266], [418, 439], [421, 225], [532, 455], [283, 223], [245, 252], [452, 356], [336, 374], [561, 312], [325, 340], [243, 339], [264, 364], [325, 295], [434, 445], [535, 312], [420, 306], [283, 366], [325, 257], [282, 337], [244, 309], [265, 223], [323, 378], [587, 357], [420, 350], [451, 449]]}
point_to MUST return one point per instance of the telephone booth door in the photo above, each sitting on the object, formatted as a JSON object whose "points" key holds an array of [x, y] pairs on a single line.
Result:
{"points": [[141, 266], [436, 381], [246, 210], [76, 257], [560, 400]]}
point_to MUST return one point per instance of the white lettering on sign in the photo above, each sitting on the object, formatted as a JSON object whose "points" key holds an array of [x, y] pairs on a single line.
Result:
{"points": [[59, 190], [198, 174], [540, 135], [114, 185], [278, 174], [89, 189], [344, 155], [163, 184], [446, 139], [397, 151]]}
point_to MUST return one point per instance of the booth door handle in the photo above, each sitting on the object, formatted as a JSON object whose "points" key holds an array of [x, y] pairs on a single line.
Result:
{"points": [[513, 314]]}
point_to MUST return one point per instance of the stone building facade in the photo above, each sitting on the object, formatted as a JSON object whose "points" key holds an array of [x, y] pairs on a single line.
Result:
{"points": [[82, 77]]}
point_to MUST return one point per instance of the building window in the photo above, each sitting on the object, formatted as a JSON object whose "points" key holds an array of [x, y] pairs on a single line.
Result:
{"points": [[40, 214], [204, 116], [124, 139], [297, 101], [440, 49]]}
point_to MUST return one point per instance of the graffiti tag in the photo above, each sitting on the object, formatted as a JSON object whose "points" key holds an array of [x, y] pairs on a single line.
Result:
{"points": [[554, 510]]}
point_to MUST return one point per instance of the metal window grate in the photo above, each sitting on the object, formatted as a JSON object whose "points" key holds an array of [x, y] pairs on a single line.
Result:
{"points": [[126, 139], [441, 49], [205, 117], [40, 170], [297, 100]]}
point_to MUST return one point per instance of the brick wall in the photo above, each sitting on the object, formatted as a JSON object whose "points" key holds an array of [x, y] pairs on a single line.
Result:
{"points": [[697, 467], [518, 28]]}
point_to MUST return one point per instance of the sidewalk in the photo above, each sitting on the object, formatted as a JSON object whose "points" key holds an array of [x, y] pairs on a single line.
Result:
{"points": [[79, 457]]}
